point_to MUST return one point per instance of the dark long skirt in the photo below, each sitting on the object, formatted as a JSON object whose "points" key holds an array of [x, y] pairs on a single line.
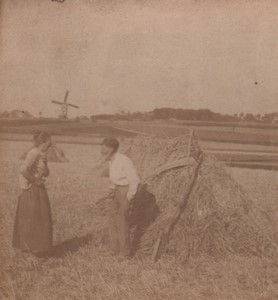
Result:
{"points": [[33, 221]]}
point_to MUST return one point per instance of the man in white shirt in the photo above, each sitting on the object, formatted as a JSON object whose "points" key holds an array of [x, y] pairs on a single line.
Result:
{"points": [[125, 183]]}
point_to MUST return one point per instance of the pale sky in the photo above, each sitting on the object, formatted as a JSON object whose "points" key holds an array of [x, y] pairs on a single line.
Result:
{"points": [[137, 56]]}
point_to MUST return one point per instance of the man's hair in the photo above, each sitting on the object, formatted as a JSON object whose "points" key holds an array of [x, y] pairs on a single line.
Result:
{"points": [[111, 142]]}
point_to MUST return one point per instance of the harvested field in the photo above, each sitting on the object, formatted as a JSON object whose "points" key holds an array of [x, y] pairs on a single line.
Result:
{"points": [[214, 146], [81, 266], [267, 136], [261, 143], [220, 134], [56, 127]]}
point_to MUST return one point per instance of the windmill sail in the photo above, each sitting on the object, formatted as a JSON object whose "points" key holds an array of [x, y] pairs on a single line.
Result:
{"points": [[57, 102], [66, 96], [64, 106], [72, 105]]}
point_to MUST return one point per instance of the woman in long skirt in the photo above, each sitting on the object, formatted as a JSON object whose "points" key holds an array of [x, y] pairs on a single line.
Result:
{"points": [[33, 222]]}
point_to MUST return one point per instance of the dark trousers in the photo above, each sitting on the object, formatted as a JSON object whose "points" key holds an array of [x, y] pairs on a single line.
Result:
{"points": [[118, 225]]}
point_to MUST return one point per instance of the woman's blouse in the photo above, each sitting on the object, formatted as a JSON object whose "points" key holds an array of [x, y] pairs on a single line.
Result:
{"points": [[35, 165]]}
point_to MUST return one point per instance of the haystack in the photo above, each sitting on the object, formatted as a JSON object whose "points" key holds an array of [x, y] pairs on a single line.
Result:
{"points": [[219, 218], [54, 154]]}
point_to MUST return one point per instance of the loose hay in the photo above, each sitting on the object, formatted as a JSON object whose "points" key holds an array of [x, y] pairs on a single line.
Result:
{"points": [[219, 218]]}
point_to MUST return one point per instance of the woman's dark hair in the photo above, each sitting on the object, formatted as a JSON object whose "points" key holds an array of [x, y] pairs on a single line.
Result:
{"points": [[111, 142], [40, 137]]}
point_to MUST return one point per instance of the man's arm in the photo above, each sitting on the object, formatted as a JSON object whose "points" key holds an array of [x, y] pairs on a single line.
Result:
{"points": [[132, 178]]}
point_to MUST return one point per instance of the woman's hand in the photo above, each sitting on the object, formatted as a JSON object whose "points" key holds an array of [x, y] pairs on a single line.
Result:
{"points": [[129, 196], [44, 157], [38, 181], [111, 193]]}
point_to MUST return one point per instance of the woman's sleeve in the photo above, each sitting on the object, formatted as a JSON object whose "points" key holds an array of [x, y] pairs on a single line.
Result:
{"points": [[29, 161]]}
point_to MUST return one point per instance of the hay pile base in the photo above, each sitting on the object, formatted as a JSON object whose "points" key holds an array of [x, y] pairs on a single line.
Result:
{"points": [[219, 218], [54, 154]]}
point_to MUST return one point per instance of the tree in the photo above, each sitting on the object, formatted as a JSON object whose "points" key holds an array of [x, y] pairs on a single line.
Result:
{"points": [[266, 118], [258, 117], [236, 116], [249, 117], [241, 116]]}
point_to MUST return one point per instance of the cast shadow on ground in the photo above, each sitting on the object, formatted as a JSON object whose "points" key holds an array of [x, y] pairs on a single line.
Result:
{"points": [[144, 211], [67, 247]]}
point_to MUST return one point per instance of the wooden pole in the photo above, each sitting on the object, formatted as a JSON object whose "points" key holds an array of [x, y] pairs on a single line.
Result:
{"points": [[164, 234]]}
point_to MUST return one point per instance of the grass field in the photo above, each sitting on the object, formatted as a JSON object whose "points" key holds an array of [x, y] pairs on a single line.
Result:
{"points": [[238, 146], [242, 145], [255, 136], [232, 134], [81, 266]]}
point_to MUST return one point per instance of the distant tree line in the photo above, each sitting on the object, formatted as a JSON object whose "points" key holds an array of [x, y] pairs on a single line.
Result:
{"points": [[16, 113], [164, 114], [188, 114]]}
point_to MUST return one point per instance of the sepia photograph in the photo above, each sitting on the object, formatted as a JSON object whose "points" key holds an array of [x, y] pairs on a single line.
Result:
{"points": [[138, 150]]}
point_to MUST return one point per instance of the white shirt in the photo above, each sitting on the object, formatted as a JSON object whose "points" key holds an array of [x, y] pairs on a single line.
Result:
{"points": [[122, 172]]}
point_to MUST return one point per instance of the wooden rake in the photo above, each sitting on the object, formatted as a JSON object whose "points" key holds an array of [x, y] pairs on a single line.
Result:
{"points": [[195, 158]]}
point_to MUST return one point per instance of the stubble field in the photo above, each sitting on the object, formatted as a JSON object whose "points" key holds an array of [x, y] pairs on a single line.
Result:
{"points": [[81, 266]]}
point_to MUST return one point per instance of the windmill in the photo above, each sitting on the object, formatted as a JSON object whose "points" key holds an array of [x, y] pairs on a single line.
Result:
{"points": [[64, 106]]}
